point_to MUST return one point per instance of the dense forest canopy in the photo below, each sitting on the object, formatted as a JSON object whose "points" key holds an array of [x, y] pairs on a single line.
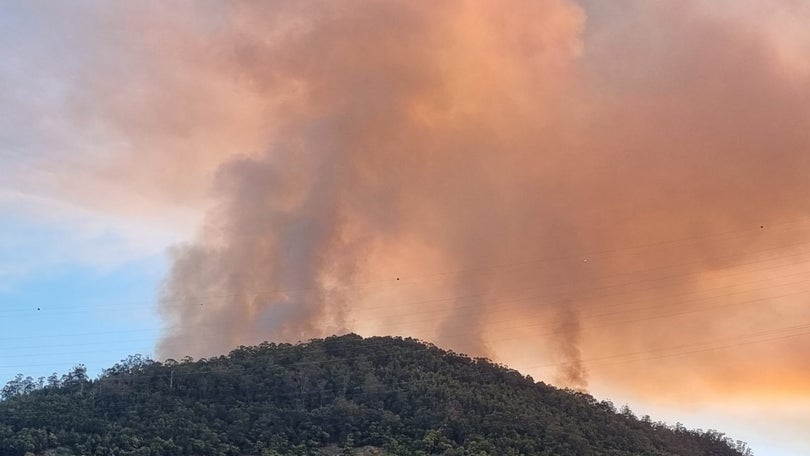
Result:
{"points": [[397, 396]]}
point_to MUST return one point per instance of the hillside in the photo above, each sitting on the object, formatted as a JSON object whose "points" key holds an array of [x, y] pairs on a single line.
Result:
{"points": [[340, 395]]}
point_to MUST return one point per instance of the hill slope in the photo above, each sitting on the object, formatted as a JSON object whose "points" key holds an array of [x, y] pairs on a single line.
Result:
{"points": [[403, 396]]}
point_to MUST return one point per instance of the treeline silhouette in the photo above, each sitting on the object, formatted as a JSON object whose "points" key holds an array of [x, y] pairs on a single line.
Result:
{"points": [[402, 396]]}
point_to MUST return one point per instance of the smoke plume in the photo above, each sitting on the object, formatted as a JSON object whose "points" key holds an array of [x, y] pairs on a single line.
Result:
{"points": [[546, 181], [571, 371]]}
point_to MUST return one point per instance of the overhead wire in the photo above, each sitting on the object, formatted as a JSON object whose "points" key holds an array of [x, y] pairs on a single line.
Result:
{"points": [[777, 248], [493, 306], [410, 279], [718, 344]]}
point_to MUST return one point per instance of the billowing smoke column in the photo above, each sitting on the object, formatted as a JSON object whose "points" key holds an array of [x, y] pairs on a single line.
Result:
{"points": [[493, 178], [395, 121]]}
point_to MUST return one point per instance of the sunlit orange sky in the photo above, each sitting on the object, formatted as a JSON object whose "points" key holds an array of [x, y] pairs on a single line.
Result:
{"points": [[608, 196]]}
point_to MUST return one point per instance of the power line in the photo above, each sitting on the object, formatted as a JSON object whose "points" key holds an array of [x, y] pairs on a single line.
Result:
{"points": [[770, 335], [677, 312], [390, 283]]}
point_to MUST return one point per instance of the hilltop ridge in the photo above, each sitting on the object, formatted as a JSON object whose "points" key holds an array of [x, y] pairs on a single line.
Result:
{"points": [[340, 395]]}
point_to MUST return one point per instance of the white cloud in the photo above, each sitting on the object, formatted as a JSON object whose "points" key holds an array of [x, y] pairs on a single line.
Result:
{"points": [[40, 232]]}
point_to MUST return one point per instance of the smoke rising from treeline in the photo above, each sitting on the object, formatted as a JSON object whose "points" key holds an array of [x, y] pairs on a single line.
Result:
{"points": [[452, 170]]}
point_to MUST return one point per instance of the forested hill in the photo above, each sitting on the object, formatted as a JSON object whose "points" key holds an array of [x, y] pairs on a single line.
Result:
{"points": [[341, 395]]}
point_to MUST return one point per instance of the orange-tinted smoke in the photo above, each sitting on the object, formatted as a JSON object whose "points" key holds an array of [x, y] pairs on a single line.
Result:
{"points": [[549, 184]]}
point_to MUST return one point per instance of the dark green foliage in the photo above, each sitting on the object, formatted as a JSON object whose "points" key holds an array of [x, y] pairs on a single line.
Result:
{"points": [[403, 395]]}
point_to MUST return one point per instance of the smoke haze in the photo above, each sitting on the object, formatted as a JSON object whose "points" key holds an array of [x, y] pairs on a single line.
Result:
{"points": [[528, 179], [567, 187]]}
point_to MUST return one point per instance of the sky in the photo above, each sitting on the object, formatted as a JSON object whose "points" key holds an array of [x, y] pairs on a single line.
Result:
{"points": [[609, 196]]}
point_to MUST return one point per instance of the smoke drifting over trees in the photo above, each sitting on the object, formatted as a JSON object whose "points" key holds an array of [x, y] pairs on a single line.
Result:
{"points": [[474, 174]]}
